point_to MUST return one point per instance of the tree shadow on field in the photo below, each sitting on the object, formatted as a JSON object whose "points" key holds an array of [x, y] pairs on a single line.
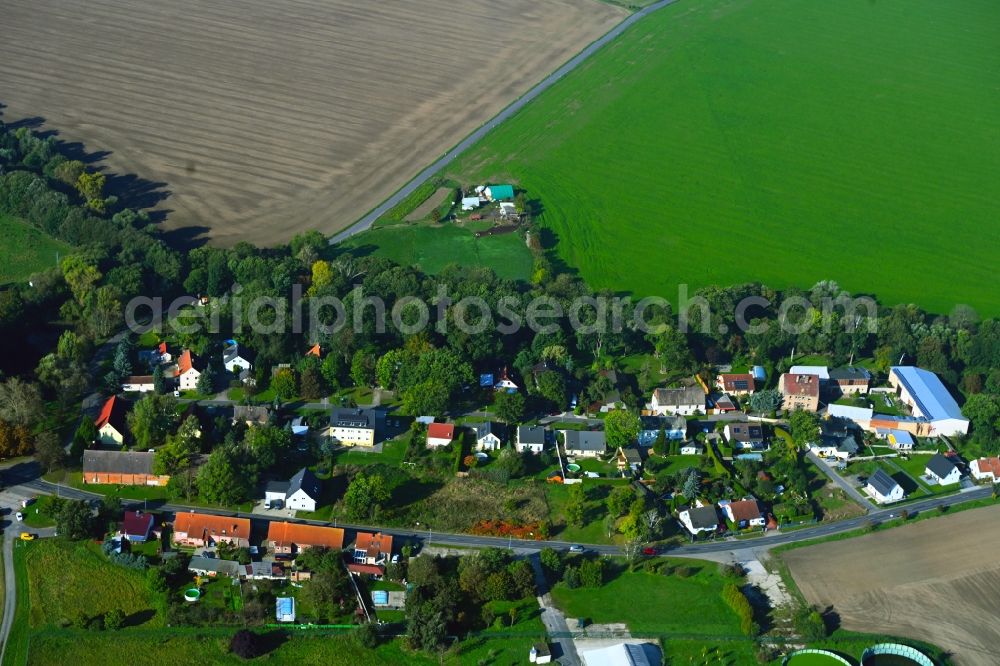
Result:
{"points": [[550, 239], [140, 617]]}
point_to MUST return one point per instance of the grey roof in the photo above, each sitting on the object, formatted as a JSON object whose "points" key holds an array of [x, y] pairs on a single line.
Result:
{"points": [[252, 413], [850, 372], [531, 434], [211, 564], [306, 481], [584, 440], [745, 432], [677, 422], [703, 517], [632, 455], [940, 465], [689, 395], [277, 487], [358, 417], [118, 462], [928, 392], [489, 427], [842, 438], [882, 482]]}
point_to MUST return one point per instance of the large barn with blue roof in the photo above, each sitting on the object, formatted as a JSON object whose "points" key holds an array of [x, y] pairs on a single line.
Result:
{"points": [[929, 400]]}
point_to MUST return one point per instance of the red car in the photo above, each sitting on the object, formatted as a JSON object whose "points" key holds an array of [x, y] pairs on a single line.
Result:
{"points": [[649, 550]]}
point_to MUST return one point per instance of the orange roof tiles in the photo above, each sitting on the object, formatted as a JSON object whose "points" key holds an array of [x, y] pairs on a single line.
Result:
{"points": [[199, 525], [373, 544], [285, 534], [184, 363], [441, 431]]}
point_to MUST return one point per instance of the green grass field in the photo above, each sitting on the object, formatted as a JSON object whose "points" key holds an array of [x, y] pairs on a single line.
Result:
{"points": [[431, 248], [67, 577], [729, 141], [26, 250], [657, 604]]}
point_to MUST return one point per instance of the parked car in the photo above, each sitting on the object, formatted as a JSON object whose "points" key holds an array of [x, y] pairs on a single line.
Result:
{"points": [[27, 536], [649, 551], [19, 516], [576, 549]]}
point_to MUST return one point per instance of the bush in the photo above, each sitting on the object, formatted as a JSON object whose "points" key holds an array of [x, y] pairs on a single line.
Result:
{"points": [[685, 572], [571, 577], [245, 644], [809, 624], [368, 636], [114, 619], [592, 573], [736, 600]]}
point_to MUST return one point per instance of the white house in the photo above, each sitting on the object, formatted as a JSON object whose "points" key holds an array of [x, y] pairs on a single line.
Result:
{"points": [[300, 493], [745, 513], [883, 488], [138, 384], [685, 401], [835, 443], [233, 360], [942, 471], [699, 519], [530, 438], [985, 469], [187, 374], [489, 436], [440, 434], [584, 443], [692, 449], [156, 356], [900, 440]]}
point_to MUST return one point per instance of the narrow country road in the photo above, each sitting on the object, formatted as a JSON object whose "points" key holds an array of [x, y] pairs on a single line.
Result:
{"points": [[366, 222], [553, 618], [851, 491]]}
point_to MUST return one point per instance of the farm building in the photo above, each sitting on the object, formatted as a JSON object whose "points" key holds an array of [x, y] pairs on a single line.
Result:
{"points": [[850, 380], [499, 192], [928, 399], [862, 416], [121, 468]]}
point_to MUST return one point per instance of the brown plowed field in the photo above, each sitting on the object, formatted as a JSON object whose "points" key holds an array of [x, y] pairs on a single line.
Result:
{"points": [[268, 118], [937, 580]]}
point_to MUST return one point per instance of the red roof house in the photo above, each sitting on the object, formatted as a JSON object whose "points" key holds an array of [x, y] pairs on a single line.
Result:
{"points": [[372, 548], [110, 422], [440, 434], [137, 525]]}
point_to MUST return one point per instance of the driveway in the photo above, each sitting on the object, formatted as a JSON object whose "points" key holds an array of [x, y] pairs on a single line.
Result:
{"points": [[553, 618], [831, 473]]}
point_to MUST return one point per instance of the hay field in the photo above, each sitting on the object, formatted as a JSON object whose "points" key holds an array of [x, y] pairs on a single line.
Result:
{"points": [[728, 141], [934, 581], [264, 119]]}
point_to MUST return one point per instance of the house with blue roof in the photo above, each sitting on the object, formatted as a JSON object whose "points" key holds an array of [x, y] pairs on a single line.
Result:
{"points": [[929, 401]]}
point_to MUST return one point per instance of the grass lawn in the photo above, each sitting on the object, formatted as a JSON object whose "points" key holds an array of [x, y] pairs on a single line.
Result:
{"points": [[431, 248], [141, 647], [66, 578], [16, 651], [655, 603], [770, 120], [150, 493], [27, 250], [36, 513], [392, 454], [596, 490], [915, 467], [503, 643]]}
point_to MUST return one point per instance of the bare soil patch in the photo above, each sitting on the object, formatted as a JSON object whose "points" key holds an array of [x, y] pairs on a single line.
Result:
{"points": [[432, 202], [935, 580], [264, 119]]}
